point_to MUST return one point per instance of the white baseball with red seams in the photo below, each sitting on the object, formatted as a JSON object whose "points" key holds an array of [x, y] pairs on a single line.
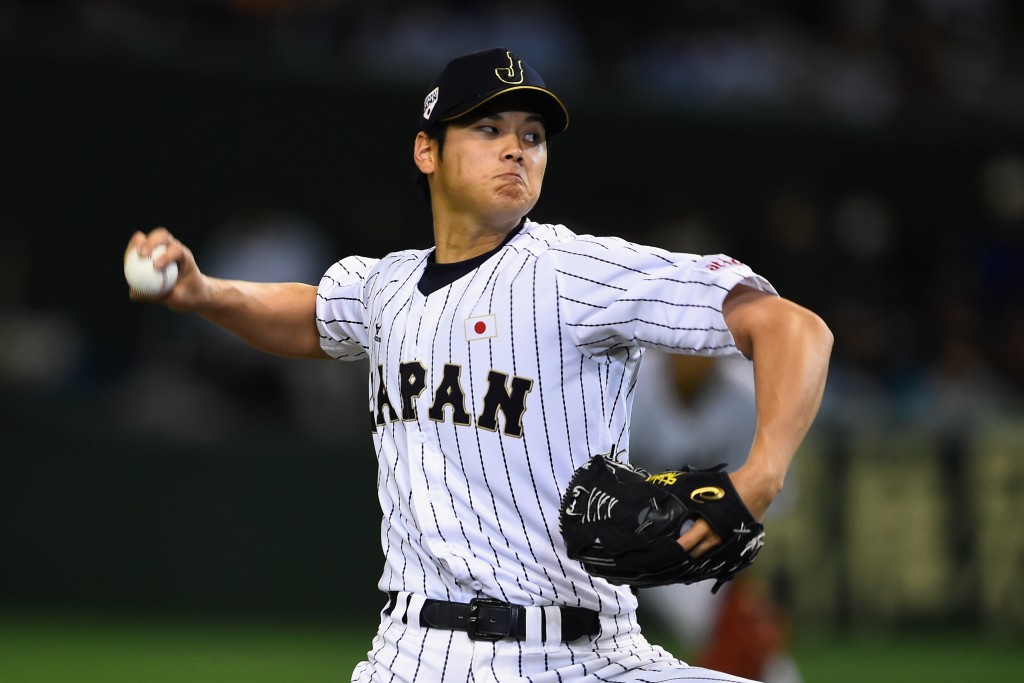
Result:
{"points": [[144, 278], [485, 396]]}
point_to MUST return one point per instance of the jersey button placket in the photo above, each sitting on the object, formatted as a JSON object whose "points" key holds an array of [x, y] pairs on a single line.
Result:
{"points": [[422, 448]]}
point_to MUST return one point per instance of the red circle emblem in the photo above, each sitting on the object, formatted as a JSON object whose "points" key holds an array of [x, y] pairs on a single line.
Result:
{"points": [[480, 327]]}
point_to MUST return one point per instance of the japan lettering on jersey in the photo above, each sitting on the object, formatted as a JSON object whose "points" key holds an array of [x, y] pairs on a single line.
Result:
{"points": [[486, 395]]}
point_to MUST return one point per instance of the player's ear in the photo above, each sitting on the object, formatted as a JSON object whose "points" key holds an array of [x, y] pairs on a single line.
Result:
{"points": [[424, 153]]}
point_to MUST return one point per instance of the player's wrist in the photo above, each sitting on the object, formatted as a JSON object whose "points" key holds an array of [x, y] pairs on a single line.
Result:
{"points": [[210, 297], [758, 487]]}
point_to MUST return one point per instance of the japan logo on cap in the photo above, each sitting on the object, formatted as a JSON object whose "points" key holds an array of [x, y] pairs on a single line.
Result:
{"points": [[508, 74]]}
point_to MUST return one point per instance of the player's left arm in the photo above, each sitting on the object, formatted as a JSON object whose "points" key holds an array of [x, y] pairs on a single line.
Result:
{"points": [[790, 347]]}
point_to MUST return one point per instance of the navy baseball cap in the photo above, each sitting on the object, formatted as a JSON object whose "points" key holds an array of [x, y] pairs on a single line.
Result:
{"points": [[469, 81]]}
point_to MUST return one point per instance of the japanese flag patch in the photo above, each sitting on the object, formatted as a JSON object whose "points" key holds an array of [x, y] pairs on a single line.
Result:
{"points": [[481, 327]]}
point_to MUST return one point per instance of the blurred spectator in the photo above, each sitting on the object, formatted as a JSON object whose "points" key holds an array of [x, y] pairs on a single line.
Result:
{"points": [[217, 384], [262, 242], [41, 351], [700, 411]]}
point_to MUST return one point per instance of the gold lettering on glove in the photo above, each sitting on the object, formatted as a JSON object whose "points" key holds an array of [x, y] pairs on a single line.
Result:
{"points": [[664, 478]]}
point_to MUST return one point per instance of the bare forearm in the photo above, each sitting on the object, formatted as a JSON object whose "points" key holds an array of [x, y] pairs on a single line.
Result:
{"points": [[790, 347], [791, 356], [278, 318]]}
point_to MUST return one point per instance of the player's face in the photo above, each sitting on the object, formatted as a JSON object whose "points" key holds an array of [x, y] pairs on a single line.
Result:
{"points": [[493, 165]]}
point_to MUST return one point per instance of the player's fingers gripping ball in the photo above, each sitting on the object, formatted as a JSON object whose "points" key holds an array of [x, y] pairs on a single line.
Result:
{"points": [[145, 279], [623, 524]]}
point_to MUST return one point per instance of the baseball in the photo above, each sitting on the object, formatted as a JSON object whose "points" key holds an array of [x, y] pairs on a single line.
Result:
{"points": [[146, 280]]}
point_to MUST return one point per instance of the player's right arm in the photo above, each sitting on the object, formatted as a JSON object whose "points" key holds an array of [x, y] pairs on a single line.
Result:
{"points": [[278, 318]]}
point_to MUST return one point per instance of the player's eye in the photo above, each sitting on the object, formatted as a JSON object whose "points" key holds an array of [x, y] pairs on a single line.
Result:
{"points": [[534, 138]]}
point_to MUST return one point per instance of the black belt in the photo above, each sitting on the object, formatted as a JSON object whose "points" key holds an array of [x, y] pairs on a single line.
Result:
{"points": [[488, 619]]}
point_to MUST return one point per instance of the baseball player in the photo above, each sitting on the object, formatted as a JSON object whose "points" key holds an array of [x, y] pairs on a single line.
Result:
{"points": [[500, 361]]}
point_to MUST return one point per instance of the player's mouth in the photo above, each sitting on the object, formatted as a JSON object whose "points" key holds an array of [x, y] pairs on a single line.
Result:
{"points": [[512, 177]]}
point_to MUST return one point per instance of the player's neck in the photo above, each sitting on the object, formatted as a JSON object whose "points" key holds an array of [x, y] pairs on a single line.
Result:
{"points": [[456, 241]]}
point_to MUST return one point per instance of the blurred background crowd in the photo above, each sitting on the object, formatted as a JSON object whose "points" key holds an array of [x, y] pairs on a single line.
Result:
{"points": [[866, 156], [862, 62]]}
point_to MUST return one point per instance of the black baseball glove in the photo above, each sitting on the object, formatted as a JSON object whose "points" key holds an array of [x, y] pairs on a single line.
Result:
{"points": [[622, 524]]}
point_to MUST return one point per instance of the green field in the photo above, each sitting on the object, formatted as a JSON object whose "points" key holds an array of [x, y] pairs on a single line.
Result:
{"points": [[93, 650], [947, 658]]}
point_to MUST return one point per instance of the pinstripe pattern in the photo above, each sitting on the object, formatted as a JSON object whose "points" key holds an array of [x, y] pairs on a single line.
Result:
{"points": [[474, 458]]}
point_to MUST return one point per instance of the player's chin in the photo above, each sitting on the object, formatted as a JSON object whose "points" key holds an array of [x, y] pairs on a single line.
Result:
{"points": [[517, 198]]}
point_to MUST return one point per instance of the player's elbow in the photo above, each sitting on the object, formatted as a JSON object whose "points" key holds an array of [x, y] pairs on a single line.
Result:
{"points": [[805, 329], [780, 323], [816, 330]]}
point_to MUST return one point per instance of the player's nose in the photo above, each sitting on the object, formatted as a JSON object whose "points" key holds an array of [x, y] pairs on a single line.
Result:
{"points": [[513, 149]]}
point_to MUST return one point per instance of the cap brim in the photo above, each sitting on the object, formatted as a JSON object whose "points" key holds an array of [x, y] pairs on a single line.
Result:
{"points": [[554, 111]]}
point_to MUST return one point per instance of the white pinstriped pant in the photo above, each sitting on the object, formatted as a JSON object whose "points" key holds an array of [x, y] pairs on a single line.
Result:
{"points": [[405, 652]]}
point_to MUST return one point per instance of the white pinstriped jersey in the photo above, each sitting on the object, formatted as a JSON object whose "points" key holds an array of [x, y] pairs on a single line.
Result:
{"points": [[487, 394]]}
